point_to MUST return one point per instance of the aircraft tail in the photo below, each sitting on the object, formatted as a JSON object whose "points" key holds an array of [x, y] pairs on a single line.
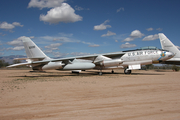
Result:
{"points": [[166, 44], [33, 52]]}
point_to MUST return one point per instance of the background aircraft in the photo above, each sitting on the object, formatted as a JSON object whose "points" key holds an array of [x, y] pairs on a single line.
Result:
{"points": [[128, 60], [166, 44]]}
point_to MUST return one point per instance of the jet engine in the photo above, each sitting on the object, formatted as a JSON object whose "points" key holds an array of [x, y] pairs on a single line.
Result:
{"points": [[79, 66], [53, 65], [109, 63]]}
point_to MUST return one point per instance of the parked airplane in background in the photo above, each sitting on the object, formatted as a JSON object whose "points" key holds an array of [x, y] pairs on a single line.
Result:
{"points": [[128, 60], [166, 44]]}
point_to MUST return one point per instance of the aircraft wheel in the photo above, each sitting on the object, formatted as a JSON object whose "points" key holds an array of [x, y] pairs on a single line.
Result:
{"points": [[112, 71], [127, 71], [100, 73]]}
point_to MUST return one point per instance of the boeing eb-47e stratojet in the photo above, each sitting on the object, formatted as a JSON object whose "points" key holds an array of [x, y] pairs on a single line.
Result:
{"points": [[128, 60], [168, 45]]}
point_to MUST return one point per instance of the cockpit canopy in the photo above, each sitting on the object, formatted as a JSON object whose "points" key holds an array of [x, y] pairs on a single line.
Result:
{"points": [[147, 48]]}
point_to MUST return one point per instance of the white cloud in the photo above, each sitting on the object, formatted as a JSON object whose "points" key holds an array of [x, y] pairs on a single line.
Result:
{"points": [[102, 26], [151, 37], [79, 53], [136, 34], [17, 24], [17, 43], [120, 9], [17, 48], [8, 26], [127, 45], [66, 38], [116, 40], [53, 46], [45, 3], [128, 39], [94, 45], [59, 54], [109, 33], [149, 29], [64, 13], [159, 29]]}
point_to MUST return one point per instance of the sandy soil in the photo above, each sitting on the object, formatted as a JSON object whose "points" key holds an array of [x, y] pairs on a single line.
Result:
{"points": [[143, 95]]}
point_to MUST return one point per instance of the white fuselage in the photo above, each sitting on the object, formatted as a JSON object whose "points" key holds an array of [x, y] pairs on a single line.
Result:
{"points": [[134, 59]]}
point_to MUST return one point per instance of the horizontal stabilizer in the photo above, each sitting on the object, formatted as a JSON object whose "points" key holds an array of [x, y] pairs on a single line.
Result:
{"points": [[20, 58], [19, 64]]}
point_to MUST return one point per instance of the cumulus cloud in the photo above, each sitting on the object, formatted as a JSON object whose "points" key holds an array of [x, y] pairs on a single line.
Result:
{"points": [[17, 43], [127, 45], [102, 26], [134, 34], [8, 26], [120, 9], [149, 29], [151, 37], [64, 13], [65, 38], [109, 33], [59, 54], [128, 39], [17, 24], [53, 46], [79, 53], [45, 3], [17, 48]]}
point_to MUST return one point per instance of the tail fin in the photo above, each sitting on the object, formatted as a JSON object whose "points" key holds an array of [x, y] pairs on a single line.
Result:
{"points": [[33, 52], [166, 44]]}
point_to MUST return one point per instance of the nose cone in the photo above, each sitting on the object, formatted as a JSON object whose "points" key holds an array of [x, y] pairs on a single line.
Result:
{"points": [[170, 55], [167, 55]]}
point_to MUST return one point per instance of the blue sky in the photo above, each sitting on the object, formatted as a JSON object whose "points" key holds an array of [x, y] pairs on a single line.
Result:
{"points": [[63, 28]]}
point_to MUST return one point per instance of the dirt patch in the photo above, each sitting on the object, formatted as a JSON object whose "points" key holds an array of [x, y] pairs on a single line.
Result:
{"points": [[62, 95]]}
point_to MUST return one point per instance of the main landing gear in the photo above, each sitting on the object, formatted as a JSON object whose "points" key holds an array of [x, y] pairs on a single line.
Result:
{"points": [[126, 71]]}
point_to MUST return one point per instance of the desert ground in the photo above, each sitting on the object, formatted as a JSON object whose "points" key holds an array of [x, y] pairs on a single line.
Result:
{"points": [[61, 95]]}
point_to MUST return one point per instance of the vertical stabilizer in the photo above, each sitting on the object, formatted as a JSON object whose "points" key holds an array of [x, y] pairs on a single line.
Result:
{"points": [[32, 50], [166, 44]]}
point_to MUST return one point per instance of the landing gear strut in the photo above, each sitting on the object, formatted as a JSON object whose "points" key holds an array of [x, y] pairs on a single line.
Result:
{"points": [[100, 73], [126, 71]]}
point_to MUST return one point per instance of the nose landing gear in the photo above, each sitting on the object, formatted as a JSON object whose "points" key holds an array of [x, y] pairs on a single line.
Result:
{"points": [[126, 71]]}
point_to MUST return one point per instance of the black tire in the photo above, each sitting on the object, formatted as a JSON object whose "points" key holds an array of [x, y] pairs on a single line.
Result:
{"points": [[100, 73], [127, 71]]}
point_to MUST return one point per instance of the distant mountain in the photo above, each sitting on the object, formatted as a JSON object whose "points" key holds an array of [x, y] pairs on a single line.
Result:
{"points": [[10, 58]]}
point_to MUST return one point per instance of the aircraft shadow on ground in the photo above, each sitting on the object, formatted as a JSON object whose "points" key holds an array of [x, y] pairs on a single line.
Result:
{"points": [[88, 73]]}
